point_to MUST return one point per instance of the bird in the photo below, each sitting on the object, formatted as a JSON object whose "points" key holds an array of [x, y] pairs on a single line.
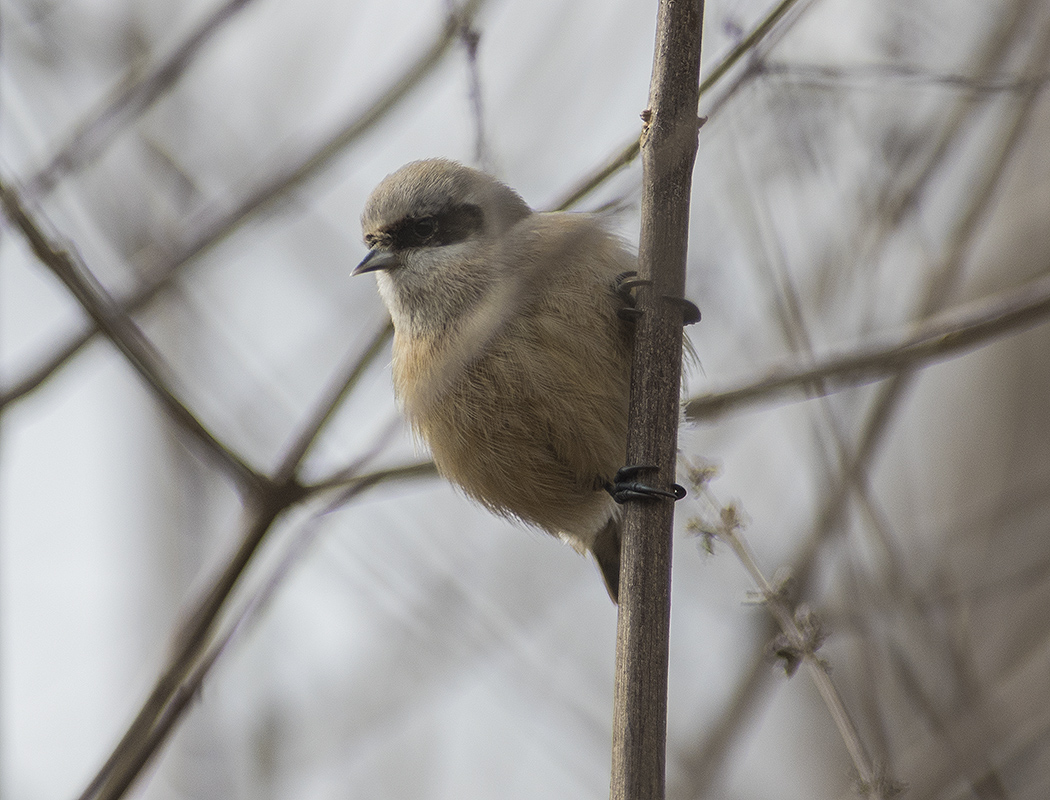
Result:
{"points": [[513, 336]]}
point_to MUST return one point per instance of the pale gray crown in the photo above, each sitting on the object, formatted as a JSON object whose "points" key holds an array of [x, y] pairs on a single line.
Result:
{"points": [[468, 201]]}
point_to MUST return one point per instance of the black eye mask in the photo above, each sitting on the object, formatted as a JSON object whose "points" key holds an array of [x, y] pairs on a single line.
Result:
{"points": [[446, 226]]}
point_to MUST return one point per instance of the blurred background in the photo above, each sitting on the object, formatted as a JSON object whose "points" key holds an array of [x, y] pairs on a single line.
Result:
{"points": [[865, 165]]}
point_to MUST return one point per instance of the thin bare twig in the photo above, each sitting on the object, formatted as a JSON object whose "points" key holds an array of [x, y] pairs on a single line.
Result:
{"points": [[991, 57], [329, 402], [941, 284], [126, 336], [187, 667], [940, 287], [747, 44], [133, 96], [802, 637], [268, 497], [139, 741], [217, 226], [890, 77], [422, 469], [629, 152], [198, 648], [471, 38], [944, 336], [860, 454]]}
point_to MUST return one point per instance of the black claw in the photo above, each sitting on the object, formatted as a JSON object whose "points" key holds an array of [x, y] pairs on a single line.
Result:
{"points": [[690, 313], [624, 488], [629, 314], [626, 284], [623, 276]]}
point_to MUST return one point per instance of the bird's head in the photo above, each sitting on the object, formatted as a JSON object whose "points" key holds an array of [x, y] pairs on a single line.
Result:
{"points": [[431, 228]]}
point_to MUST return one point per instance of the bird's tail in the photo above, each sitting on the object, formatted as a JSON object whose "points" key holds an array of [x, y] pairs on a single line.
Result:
{"points": [[606, 551]]}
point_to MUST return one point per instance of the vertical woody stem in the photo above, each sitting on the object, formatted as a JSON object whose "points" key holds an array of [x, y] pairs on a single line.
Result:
{"points": [[668, 149]]}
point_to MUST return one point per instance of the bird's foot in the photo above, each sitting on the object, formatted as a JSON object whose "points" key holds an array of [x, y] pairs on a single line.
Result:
{"points": [[625, 487], [627, 282]]}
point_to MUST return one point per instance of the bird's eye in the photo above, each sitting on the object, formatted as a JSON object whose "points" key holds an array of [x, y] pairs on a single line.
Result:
{"points": [[424, 228]]}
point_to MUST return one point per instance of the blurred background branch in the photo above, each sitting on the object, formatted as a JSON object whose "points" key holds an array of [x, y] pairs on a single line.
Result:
{"points": [[133, 96], [946, 335]]}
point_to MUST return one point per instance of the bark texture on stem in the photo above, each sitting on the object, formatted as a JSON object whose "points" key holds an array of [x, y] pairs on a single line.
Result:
{"points": [[668, 149]]}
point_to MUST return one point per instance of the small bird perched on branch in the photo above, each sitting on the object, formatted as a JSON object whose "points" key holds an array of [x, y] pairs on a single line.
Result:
{"points": [[512, 348]]}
